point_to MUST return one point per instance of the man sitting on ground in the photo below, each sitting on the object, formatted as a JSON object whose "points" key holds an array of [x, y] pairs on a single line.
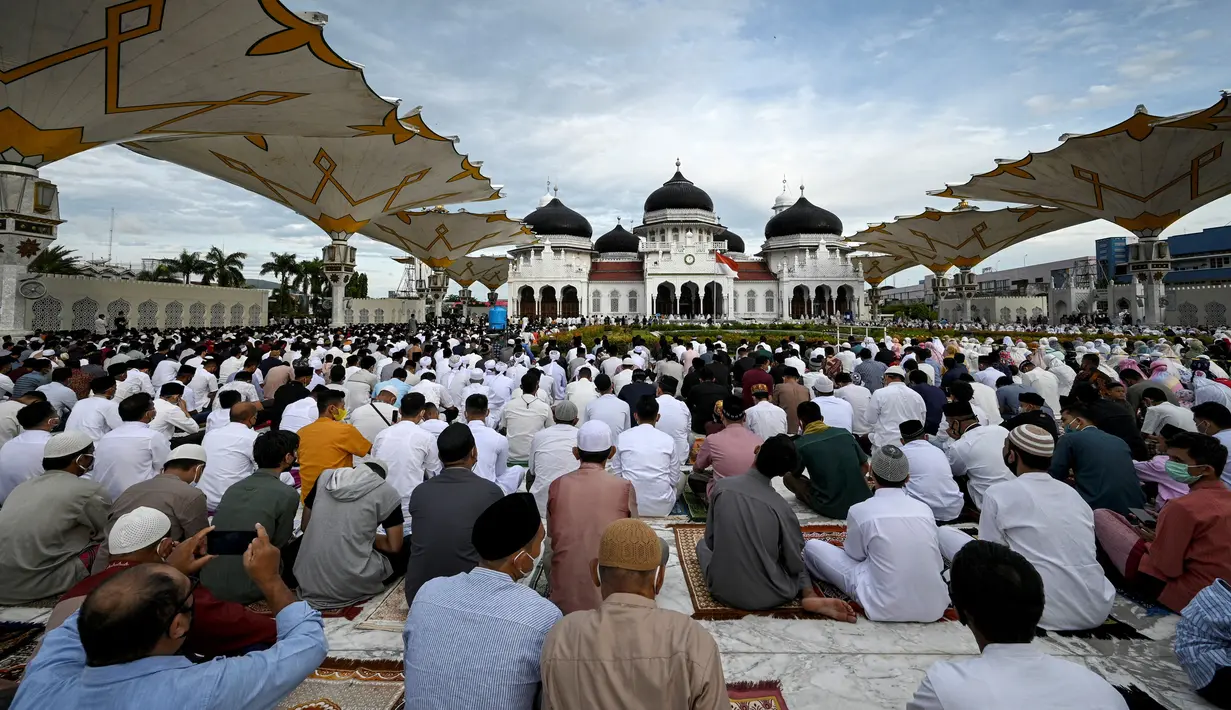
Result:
{"points": [[580, 505], [229, 452], [1047, 522], [646, 457], [260, 499], [21, 458], [410, 451], [1203, 643], [342, 559], [1100, 464], [751, 555], [172, 493], [130, 630], [608, 408], [977, 451], [764, 418], [835, 463], [493, 448], [999, 596], [1033, 410], [728, 452], [628, 652], [328, 442], [458, 616], [890, 561], [931, 478], [551, 454]]}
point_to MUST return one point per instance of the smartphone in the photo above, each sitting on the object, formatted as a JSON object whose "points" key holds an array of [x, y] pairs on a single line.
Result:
{"points": [[1143, 517], [228, 542]]}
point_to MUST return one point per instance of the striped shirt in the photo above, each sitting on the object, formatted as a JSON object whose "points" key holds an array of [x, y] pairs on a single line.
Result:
{"points": [[474, 640], [1203, 636]]}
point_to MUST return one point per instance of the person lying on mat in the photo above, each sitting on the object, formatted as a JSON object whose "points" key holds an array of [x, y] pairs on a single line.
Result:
{"points": [[890, 562], [751, 553], [1051, 526], [121, 650], [143, 536], [474, 640], [999, 597], [1187, 549], [628, 653]]}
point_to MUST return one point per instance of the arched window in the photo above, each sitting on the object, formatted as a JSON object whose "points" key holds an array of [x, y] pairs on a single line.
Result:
{"points": [[632, 301], [752, 301], [596, 302], [615, 301], [769, 301]]}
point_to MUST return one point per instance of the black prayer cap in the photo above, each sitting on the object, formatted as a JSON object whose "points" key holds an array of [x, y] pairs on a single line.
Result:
{"points": [[506, 526], [910, 429], [1031, 398], [957, 410]]}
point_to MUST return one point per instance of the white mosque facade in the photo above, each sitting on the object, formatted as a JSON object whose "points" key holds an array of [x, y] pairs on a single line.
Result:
{"points": [[668, 265]]}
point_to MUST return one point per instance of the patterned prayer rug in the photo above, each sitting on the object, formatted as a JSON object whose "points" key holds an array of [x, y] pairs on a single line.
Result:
{"points": [[340, 684], [698, 510], [759, 695], [17, 643], [389, 614], [347, 612], [44, 603]]}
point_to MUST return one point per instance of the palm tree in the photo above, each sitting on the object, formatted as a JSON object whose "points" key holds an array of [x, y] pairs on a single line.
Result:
{"points": [[186, 264], [161, 274], [284, 266], [56, 260], [357, 287], [226, 269], [312, 281]]}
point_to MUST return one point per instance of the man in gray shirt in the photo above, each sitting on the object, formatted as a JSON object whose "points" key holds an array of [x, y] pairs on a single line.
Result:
{"points": [[869, 372], [443, 510], [752, 552]]}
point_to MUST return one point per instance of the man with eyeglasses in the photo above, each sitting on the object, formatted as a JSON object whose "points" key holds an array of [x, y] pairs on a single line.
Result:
{"points": [[122, 649]]}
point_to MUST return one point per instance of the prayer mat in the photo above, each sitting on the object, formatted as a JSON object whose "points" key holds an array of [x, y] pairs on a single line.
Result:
{"points": [[390, 613], [680, 509], [17, 643], [347, 612], [758, 695], [340, 684], [698, 510], [1112, 628], [1150, 608], [44, 603]]}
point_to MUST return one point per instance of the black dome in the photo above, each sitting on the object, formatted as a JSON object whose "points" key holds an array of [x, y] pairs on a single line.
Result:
{"points": [[618, 239], [678, 194], [803, 217], [734, 241], [555, 218]]}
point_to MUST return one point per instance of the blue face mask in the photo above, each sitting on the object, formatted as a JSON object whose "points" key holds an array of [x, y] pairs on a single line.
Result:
{"points": [[1179, 472]]}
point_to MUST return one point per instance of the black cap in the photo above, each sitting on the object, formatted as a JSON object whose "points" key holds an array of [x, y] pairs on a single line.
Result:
{"points": [[956, 410], [506, 526], [1031, 398], [911, 429]]}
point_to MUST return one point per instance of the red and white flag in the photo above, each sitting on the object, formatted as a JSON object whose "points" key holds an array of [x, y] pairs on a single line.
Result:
{"points": [[726, 265]]}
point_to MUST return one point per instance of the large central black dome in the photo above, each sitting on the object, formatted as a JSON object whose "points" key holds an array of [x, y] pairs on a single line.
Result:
{"points": [[617, 240], [803, 217], [678, 193], [555, 218]]}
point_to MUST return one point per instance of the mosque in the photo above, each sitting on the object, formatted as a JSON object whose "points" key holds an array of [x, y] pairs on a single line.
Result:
{"points": [[681, 262]]}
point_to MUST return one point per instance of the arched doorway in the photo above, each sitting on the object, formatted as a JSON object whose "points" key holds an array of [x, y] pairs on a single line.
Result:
{"points": [[525, 302], [690, 300], [1062, 309], [711, 303], [842, 305], [799, 302], [820, 301], [570, 305], [547, 301], [1122, 305], [664, 299]]}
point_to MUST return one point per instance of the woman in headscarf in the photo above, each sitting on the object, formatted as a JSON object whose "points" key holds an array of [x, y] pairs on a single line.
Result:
{"points": [[1207, 390], [1160, 373]]}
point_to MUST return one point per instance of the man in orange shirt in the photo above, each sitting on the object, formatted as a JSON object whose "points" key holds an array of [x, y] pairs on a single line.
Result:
{"points": [[328, 442]]}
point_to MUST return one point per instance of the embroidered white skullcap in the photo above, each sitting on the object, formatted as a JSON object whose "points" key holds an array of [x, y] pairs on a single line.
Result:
{"points": [[137, 530], [66, 444], [594, 436]]}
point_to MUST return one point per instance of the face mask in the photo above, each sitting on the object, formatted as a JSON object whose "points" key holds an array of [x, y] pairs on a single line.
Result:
{"points": [[1179, 472], [86, 462], [340, 414], [517, 561]]}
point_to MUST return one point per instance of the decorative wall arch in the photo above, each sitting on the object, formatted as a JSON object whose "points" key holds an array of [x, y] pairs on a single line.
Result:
{"points": [[237, 315], [614, 296], [379, 314], [1215, 313], [196, 315], [752, 301], [1004, 314], [218, 315], [147, 315], [769, 300], [254, 316], [85, 311], [596, 301], [1188, 314], [364, 315], [174, 315], [118, 307], [46, 313]]}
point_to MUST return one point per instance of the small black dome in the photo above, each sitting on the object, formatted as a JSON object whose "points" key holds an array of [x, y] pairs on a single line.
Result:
{"points": [[803, 217], [678, 193], [618, 239], [555, 218], [734, 241]]}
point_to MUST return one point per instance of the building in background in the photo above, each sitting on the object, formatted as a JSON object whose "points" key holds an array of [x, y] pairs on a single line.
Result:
{"points": [[1198, 288]]}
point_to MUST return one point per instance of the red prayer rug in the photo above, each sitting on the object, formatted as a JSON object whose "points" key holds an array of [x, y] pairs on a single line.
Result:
{"points": [[340, 684], [759, 695]]}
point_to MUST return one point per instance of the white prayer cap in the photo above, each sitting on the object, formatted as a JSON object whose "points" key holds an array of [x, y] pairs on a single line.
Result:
{"points": [[316, 363], [346, 348], [822, 385], [67, 444], [190, 452], [476, 375], [554, 355], [501, 367], [594, 436], [137, 530], [454, 359], [629, 361], [489, 365]]}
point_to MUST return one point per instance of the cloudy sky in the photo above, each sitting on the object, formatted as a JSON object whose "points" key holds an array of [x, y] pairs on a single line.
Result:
{"points": [[866, 104]]}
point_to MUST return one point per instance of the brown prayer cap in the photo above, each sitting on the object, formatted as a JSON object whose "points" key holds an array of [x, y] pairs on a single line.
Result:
{"points": [[631, 544]]}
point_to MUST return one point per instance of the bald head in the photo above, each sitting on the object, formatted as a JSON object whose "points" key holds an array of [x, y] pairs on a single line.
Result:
{"points": [[243, 412], [132, 615]]}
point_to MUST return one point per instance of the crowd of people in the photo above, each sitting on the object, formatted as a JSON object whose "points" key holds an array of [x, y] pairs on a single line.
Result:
{"points": [[159, 487]]}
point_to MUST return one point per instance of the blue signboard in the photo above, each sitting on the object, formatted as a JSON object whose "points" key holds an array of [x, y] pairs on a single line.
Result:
{"points": [[497, 317]]}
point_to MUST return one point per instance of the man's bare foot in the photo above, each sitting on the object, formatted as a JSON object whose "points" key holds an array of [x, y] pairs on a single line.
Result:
{"points": [[835, 609]]}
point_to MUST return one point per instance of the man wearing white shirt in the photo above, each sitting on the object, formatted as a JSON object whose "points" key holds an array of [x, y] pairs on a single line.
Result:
{"points": [[608, 408], [231, 365], [551, 452], [132, 452], [977, 451], [22, 457], [228, 454], [582, 392], [493, 449], [222, 416], [1159, 412], [242, 383], [97, 414], [765, 419], [931, 478], [988, 374], [860, 399], [557, 378], [625, 375], [165, 372], [847, 357], [377, 415], [1043, 382], [835, 411], [204, 384], [890, 561], [432, 422], [502, 387], [1000, 596], [646, 457], [410, 451], [63, 398], [136, 380], [524, 416], [674, 417], [299, 414], [171, 415], [9, 427], [891, 405], [433, 391]]}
